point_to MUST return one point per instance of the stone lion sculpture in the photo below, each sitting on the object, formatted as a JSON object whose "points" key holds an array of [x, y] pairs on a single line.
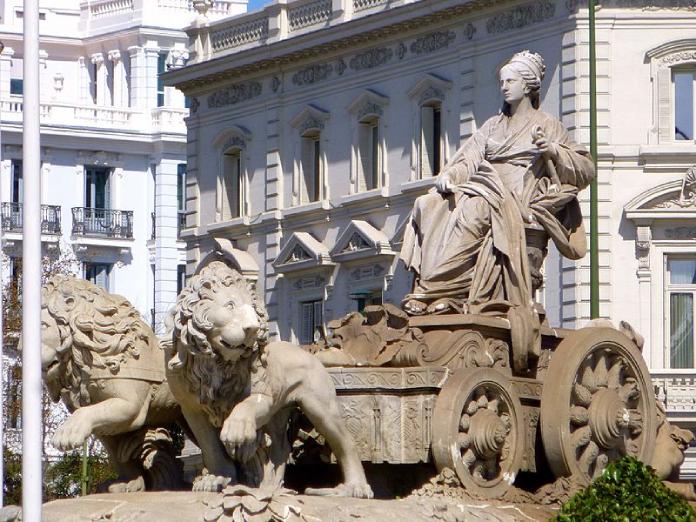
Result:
{"points": [[237, 390], [107, 366]]}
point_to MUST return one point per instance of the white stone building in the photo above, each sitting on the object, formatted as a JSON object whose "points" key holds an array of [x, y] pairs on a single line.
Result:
{"points": [[113, 139], [316, 123]]}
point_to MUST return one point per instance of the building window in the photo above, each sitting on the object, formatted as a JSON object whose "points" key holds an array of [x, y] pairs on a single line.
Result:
{"points": [[365, 298], [161, 68], [17, 86], [369, 155], [232, 184], [98, 274], [17, 188], [180, 278], [311, 321], [181, 195], [681, 287], [430, 140], [97, 187], [310, 178], [684, 103]]}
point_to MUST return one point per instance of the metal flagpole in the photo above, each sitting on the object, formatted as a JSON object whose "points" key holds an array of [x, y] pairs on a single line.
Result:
{"points": [[594, 218], [32, 450]]}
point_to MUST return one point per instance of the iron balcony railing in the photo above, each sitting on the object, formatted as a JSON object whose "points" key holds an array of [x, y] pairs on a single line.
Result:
{"points": [[101, 222], [13, 219]]}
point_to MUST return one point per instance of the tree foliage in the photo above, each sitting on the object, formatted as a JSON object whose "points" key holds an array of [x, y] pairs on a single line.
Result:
{"points": [[627, 491]]}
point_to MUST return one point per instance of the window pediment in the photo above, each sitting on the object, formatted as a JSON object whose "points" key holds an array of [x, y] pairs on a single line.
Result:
{"points": [[236, 137], [302, 252], [360, 240], [670, 200], [673, 53], [369, 104], [310, 119], [430, 88]]}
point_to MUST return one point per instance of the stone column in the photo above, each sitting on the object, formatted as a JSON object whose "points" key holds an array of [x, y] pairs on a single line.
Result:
{"points": [[143, 76], [83, 95], [166, 231], [97, 60], [119, 79], [5, 67]]}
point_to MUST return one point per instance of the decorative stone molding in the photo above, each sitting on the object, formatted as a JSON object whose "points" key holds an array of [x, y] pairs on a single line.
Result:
{"points": [[360, 240], [469, 31], [99, 158], [276, 83], [195, 104], [430, 88], [178, 57], [239, 259], [521, 16], [643, 240], [644, 5], [234, 94], [371, 58], [369, 104], [247, 32], [687, 195], [433, 42], [309, 119], [302, 252], [114, 56], [97, 59], [43, 58], [680, 233], [313, 74], [341, 66], [361, 5]]}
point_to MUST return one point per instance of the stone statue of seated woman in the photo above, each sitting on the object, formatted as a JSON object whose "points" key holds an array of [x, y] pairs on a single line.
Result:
{"points": [[516, 179]]}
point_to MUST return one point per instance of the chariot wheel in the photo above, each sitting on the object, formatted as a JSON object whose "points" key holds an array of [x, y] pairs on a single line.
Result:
{"points": [[597, 404], [477, 430]]}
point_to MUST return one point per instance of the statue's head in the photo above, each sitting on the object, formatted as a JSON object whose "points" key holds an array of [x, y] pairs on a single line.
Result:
{"points": [[529, 69]]}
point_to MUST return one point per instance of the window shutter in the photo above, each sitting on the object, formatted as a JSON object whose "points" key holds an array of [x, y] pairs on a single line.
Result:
{"points": [[665, 105], [107, 188], [427, 142], [365, 157]]}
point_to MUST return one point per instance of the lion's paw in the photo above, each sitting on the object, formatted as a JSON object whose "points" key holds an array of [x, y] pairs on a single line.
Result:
{"points": [[129, 486], [354, 490], [72, 433], [209, 482]]}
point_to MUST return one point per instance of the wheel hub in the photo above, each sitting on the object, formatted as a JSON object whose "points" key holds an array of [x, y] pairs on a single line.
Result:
{"points": [[608, 416], [488, 433]]}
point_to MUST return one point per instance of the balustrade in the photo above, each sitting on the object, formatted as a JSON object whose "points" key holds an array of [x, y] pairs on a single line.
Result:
{"points": [[12, 218], [101, 222]]}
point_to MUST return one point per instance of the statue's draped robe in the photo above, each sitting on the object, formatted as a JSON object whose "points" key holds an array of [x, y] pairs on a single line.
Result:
{"points": [[470, 244]]}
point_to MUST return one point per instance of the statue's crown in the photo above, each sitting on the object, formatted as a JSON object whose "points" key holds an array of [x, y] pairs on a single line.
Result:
{"points": [[533, 61]]}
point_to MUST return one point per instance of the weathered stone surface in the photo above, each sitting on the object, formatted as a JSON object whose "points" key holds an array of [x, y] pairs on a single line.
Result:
{"points": [[190, 507]]}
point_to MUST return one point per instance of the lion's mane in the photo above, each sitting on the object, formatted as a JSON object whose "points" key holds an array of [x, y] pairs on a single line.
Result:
{"points": [[97, 330], [219, 385]]}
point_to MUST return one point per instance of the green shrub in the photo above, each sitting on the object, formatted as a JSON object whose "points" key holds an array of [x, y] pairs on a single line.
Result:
{"points": [[627, 491]]}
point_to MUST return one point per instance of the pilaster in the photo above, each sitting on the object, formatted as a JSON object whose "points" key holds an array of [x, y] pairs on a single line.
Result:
{"points": [[5, 67]]}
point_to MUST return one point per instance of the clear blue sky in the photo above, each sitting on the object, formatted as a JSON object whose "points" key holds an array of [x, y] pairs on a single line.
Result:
{"points": [[255, 4]]}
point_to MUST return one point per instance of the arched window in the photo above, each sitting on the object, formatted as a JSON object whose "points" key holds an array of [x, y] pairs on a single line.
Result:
{"points": [[232, 184]]}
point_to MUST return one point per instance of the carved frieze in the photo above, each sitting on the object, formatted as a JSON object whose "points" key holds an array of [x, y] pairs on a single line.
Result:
{"points": [[275, 83], [195, 104], [687, 195], [310, 124], [680, 233], [313, 74], [432, 42], [645, 5], [469, 31], [401, 51], [341, 66], [371, 58], [367, 272], [304, 283], [521, 16], [234, 94]]}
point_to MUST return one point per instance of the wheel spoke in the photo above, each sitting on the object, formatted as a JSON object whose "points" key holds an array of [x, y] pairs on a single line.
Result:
{"points": [[464, 422], [600, 370], [493, 405], [579, 416], [615, 373], [468, 458], [588, 456], [464, 441], [582, 395], [587, 379], [581, 437], [600, 464]]}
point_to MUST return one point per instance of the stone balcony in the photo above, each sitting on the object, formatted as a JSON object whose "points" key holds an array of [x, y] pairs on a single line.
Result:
{"points": [[277, 21], [160, 120], [676, 390]]}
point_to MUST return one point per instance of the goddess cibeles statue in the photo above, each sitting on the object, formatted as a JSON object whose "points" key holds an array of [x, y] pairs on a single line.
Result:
{"points": [[477, 241]]}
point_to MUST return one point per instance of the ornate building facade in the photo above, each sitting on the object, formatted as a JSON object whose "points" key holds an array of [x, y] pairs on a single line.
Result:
{"points": [[315, 124]]}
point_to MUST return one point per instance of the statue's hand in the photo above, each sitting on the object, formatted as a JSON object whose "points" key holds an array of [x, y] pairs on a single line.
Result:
{"points": [[548, 150], [238, 434], [444, 184]]}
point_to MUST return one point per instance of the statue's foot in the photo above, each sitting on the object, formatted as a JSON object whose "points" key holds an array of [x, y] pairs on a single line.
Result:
{"points": [[355, 490], [209, 482], [126, 486]]}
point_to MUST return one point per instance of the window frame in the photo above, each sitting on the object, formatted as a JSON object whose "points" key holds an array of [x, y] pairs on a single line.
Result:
{"points": [[161, 68], [311, 156], [87, 265], [669, 289], [314, 305], [225, 208], [437, 140], [369, 145], [689, 70]]}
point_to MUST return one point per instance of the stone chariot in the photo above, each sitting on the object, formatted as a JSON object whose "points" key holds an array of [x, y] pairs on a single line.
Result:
{"points": [[448, 394]]}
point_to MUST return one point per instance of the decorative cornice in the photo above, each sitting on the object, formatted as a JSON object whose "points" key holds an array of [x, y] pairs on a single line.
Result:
{"points": [[310, 118], [312, 74], [316, 51], [433, 42], [520, 17], [371, 58], [234, 94]]}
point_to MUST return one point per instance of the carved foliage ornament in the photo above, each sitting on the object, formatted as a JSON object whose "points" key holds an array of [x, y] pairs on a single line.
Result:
{"points": [[313, 74], [433, 42], [680, 57], [310, 124], [520, 17], [687, 195], [372, 58], [234, 94]]}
